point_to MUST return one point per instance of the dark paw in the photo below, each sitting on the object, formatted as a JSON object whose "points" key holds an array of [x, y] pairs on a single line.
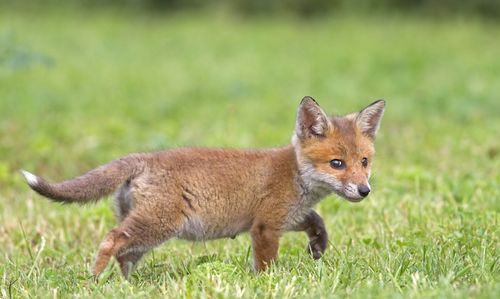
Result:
{"points": [[317, 247]]}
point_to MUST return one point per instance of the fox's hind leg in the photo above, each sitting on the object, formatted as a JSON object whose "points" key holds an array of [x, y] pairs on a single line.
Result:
{"points": [[129, 260], [112, 243], [314, 227], [124, 201], [138, 232]]}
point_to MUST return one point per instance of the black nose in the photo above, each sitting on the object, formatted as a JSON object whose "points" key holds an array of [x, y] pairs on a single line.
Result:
{"points": [[363, 190]]}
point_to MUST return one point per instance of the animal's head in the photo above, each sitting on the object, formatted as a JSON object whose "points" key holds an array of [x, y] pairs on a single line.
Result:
{"points": [[335, 153]]}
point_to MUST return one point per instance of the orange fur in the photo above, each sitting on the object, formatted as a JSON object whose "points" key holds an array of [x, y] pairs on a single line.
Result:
{"points": [[200, 194]]}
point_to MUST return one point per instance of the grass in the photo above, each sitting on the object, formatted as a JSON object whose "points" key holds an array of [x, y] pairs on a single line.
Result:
{"points": [[80, 88]]}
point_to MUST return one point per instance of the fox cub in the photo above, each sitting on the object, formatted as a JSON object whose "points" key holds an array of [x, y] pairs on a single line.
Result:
{"points": [[201, 194]]}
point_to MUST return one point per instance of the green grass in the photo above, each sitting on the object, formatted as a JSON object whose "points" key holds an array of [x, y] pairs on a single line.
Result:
{"points": [[80, 88]]}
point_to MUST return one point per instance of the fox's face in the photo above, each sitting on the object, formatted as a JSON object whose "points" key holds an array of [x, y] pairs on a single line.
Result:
{"points": [[335, 153]]}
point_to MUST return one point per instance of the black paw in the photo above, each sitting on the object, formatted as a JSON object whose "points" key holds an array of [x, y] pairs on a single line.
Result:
{"points": [[317, 246]]}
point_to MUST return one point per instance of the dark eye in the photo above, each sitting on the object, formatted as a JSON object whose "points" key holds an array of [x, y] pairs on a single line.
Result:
{"points": [[337, 164], [364, 162]]}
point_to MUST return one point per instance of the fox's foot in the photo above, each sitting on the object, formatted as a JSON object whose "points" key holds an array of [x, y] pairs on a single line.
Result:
{"points": [[314, 227], [128, 262], [317, 244]]}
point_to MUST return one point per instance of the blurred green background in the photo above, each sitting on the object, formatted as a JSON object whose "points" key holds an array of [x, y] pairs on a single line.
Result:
{"points": [[303, 8], [84, 82]]}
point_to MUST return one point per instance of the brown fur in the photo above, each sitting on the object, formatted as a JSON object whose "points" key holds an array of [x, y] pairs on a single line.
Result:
{"points": [[200, 194], [346, 142]]}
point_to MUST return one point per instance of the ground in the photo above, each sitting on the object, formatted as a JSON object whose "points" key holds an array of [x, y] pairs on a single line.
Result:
{"points": [[79, 88]]}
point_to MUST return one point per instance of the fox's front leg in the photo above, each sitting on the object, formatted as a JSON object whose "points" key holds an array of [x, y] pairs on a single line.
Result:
{"points": [[265, 243], [314, 227]]}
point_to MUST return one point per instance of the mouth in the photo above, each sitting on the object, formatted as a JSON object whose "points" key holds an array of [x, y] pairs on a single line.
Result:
{"points": [[347, 191], [350, 197], [351, 193], [354, 199]]}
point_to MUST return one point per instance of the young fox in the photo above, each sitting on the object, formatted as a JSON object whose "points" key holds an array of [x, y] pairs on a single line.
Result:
{"points": [[201, 194]]}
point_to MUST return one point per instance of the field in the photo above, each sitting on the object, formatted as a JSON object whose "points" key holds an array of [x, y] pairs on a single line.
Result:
{"points": [[79, 88]]}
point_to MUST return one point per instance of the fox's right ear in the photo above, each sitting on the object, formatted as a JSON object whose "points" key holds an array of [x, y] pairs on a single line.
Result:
{"points": [[311, 120]]}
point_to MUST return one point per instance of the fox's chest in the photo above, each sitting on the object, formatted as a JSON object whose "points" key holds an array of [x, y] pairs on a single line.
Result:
{"points": [[296, 216], [303, 206]]}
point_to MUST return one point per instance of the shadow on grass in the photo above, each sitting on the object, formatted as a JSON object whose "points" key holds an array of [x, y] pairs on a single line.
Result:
{"points": [[153, 271]]}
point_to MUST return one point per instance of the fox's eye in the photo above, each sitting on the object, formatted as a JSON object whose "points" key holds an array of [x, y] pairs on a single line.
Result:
{"points": [[337, 164], [364, 162]]}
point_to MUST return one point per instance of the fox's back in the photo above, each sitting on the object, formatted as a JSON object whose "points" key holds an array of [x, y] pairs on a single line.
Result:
{"points": [[218, 190]]}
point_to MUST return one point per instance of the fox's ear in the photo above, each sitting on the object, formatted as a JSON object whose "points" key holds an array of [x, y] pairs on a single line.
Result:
{"points": [[311, 120], [368, 119]]}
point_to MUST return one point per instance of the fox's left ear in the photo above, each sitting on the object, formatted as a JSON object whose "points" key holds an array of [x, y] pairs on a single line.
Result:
{"points": [[368, 119]]}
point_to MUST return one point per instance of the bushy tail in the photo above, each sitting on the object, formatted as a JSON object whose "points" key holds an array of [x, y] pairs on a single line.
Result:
{"points": [[91, 186]]}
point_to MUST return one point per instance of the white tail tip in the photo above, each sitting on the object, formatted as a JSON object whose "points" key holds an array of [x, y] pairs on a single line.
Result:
{"points": [[30, 178]]}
